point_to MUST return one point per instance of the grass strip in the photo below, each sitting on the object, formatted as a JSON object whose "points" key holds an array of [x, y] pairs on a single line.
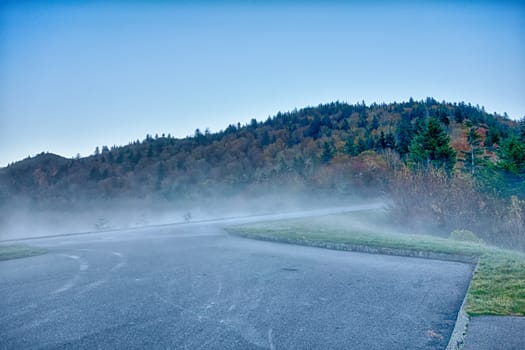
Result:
{"points": [[17, 251], [498, 285]]}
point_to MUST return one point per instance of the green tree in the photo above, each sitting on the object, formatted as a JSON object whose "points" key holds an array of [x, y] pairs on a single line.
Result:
{"points": [[361, 145], [404, 135], [328, 152], [390, 140], [350, 147], [512, 155], [432, 146], [382, 140], [493, 137], [374, 123]]}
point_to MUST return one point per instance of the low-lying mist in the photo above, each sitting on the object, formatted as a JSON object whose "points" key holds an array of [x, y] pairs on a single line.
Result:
{"points": [[25, 219]]}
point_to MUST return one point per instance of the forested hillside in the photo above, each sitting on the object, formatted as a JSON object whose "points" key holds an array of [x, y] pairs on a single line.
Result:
{"points": [[446, 164]]}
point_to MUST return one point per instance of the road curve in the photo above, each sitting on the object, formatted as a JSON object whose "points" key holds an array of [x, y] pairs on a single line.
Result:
{"points": [[195, 287]]}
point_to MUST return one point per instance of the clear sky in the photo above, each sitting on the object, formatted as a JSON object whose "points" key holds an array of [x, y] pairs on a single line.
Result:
{"points": [[75, 75]]}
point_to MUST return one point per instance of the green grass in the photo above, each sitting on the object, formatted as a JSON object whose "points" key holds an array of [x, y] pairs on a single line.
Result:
{"points": [[498, 285], [17, 251]]}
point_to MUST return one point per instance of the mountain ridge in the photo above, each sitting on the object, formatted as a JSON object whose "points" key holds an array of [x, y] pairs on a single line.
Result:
{"points": [[450, 164], [297, 139]]}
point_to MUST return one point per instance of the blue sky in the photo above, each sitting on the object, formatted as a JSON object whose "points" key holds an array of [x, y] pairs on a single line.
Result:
{"points": [[75, 75]]}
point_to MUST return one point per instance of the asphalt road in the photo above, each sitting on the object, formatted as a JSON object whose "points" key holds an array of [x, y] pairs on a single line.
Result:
{"points": [[195, 287], [495, 332]]}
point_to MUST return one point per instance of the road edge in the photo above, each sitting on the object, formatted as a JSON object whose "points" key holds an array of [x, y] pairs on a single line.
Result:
{"points": [[457, 339], [468, 259]]}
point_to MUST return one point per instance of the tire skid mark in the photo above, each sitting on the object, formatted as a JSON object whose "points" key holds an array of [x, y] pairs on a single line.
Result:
{"points": [[37, 322], [221, 323], [219, 289], [35, 306], [121, 263], [99, 282], [82, 266], [47, 316], [23, 310]]}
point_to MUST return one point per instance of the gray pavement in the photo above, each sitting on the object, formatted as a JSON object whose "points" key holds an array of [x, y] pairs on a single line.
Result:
{"points": [[195, 287], [495, 332]]}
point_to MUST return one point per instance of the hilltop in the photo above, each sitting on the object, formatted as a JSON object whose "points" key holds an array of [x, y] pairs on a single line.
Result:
{"points": [[400, 149]]}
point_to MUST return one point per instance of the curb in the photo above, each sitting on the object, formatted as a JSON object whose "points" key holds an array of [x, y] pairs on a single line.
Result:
{"points": [[457, 339], [362, 248]]}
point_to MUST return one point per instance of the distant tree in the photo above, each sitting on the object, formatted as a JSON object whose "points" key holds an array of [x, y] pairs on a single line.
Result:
{"points": [[493, 137], [362, 121], [512, 155], [444, 118], [230, 129], [522, 129], [404, 135], [370, 142], [473, 139], [345, 126], [382, 140], [314, 129], [161, 174], [432, 146], [136, 157], [328, 152], [374, 123], [283, 167], [299, 164], [390, 140], [265, 139], [97, 151], [199, 137], [361, 145], [120, 157], [94, 174], [350, 147], [458, 114]]}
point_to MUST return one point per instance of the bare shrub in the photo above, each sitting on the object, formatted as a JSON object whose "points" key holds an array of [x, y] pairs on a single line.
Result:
{"points": [[430, 200], [512, 224]]}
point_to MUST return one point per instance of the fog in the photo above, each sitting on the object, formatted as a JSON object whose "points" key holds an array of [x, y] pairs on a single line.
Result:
{"points": [[401, 213], [25, 219]]}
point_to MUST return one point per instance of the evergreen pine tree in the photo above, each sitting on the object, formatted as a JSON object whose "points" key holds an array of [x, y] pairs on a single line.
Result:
{"points": [[432, 146], [328, 152], [404, 135]]}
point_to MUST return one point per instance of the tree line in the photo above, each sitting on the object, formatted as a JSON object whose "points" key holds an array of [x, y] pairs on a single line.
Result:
{"points": [[386, 149]]}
